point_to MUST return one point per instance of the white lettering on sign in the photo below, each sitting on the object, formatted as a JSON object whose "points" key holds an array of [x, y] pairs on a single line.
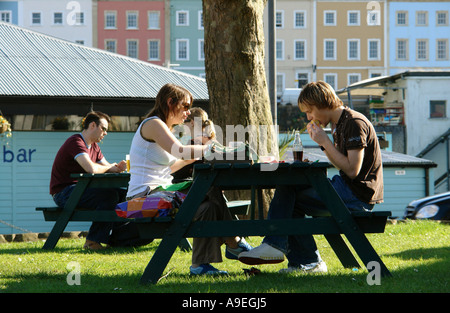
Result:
{"points": [[400, 172]]}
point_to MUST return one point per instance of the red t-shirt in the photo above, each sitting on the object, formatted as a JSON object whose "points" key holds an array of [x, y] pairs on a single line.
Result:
{"points": [[65, 163]]}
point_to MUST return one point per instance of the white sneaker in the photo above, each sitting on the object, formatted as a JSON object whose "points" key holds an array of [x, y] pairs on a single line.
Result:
{"points": [[263, 254], [318, 267]]}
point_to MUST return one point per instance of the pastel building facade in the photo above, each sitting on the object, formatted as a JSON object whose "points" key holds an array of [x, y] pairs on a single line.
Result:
{"points": [[419, 35], [9, 12], [133, 28]]}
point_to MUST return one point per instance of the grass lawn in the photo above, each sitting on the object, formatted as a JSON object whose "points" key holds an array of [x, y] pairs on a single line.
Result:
{"points": [[416, 253]]}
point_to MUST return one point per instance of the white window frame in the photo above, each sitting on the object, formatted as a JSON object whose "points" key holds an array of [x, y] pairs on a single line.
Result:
{"points": [[201, 49], [358, 49], [112, 41], [325, 17], [110, 14], [153, 15], [79, 18], [6, 14], [358, 22], [298, 73], [279, 25], [279, 50], [128, 41], [40, 18], [378, 57], [334, 75], [349, 75], [158, 42], [200, 25], [177, 49], [295, 19], [334, 58], [304, 49], [446, 18], [53, 18], [130, 14], [177, 20]]}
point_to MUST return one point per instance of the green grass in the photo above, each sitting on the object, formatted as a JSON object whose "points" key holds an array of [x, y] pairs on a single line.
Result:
{"points": [[417, 254]]}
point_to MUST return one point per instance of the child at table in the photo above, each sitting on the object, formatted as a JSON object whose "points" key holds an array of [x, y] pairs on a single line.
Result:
{"points": [[155, 154], [355, 152]]}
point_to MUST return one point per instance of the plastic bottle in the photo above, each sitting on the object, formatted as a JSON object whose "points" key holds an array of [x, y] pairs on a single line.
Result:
{"points": [[297, 147]]}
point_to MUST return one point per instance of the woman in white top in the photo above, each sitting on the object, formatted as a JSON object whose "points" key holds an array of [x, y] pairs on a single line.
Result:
{"points": [[156, 153]]}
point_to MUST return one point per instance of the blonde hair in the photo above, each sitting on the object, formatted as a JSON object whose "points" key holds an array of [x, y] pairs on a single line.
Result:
{"points": [[209, 129], [318, 94]]}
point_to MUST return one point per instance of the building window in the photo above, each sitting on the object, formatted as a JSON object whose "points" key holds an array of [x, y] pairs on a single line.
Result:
{"points": [[442, 49], [132, 20], [438, 108], [402, 18], [353, 49], [5, 16], [421, 18], [111, 45], [353, 18], [201, 49], [80, 42], [442, 18], [110, 20], [331, 79], [57, 18], [153, 50], [79, 18], [373, 49], [35, 18], [402, 49], [299, 19], [300, 49], [353, 78], [132, 48], [422, 49], [279, 47], [329, 49], [182, 49], [329, 18], [200, 20], [279, 19], [302, 79], [153, 20], [182, 18]]}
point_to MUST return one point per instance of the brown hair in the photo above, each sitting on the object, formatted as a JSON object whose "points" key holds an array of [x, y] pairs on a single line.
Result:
{"points": [[169, 91], [318, 94], [94, 116]]}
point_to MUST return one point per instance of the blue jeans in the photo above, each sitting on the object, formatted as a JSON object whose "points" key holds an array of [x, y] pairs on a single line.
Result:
{"points": [[297, 202], [101, 199]]}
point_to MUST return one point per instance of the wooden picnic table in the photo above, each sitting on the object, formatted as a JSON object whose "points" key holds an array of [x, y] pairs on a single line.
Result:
{"points": [[69, 212], [241, 176]]}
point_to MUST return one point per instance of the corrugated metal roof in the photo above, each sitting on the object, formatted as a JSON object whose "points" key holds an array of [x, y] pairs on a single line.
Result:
{"points": [[34, 64]]}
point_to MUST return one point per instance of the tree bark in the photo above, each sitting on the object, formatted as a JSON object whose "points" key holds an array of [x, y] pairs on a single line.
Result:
{"points": [[235, 72]]}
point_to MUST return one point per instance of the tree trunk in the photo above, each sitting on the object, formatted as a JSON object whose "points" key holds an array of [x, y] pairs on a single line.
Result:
{"points": [[235, 74]]}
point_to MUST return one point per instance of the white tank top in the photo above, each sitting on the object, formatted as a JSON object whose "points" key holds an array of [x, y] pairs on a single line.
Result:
{"points": [[149, 164]]}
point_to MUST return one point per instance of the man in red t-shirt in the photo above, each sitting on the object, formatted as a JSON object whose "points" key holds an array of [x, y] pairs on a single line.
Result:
{"points": [[81, 154]]}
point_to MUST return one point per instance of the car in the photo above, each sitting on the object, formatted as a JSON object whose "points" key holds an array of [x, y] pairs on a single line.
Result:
{"points": [[436, 207]]}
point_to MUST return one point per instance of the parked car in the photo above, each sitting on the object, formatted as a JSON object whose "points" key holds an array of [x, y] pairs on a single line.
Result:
{"points": [[436, 207]]}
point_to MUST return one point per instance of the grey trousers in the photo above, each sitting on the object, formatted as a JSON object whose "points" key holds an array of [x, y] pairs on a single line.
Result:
{"points": [[213, 208]]}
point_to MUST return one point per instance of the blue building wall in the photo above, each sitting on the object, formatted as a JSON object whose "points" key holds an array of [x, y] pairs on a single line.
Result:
{"points": [[193, 32], [412, 32], [13, 7]]}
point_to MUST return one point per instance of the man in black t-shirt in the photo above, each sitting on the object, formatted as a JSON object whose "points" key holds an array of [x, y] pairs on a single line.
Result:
{"points": [[355, 152]]}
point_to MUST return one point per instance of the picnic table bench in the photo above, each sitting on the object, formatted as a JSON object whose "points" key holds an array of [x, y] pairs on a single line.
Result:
{"points": [[72, 213], [238, 176]]}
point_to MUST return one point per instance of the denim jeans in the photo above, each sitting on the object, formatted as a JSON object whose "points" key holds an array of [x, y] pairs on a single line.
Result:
{"points": [[101, 199], [297, 202]]}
